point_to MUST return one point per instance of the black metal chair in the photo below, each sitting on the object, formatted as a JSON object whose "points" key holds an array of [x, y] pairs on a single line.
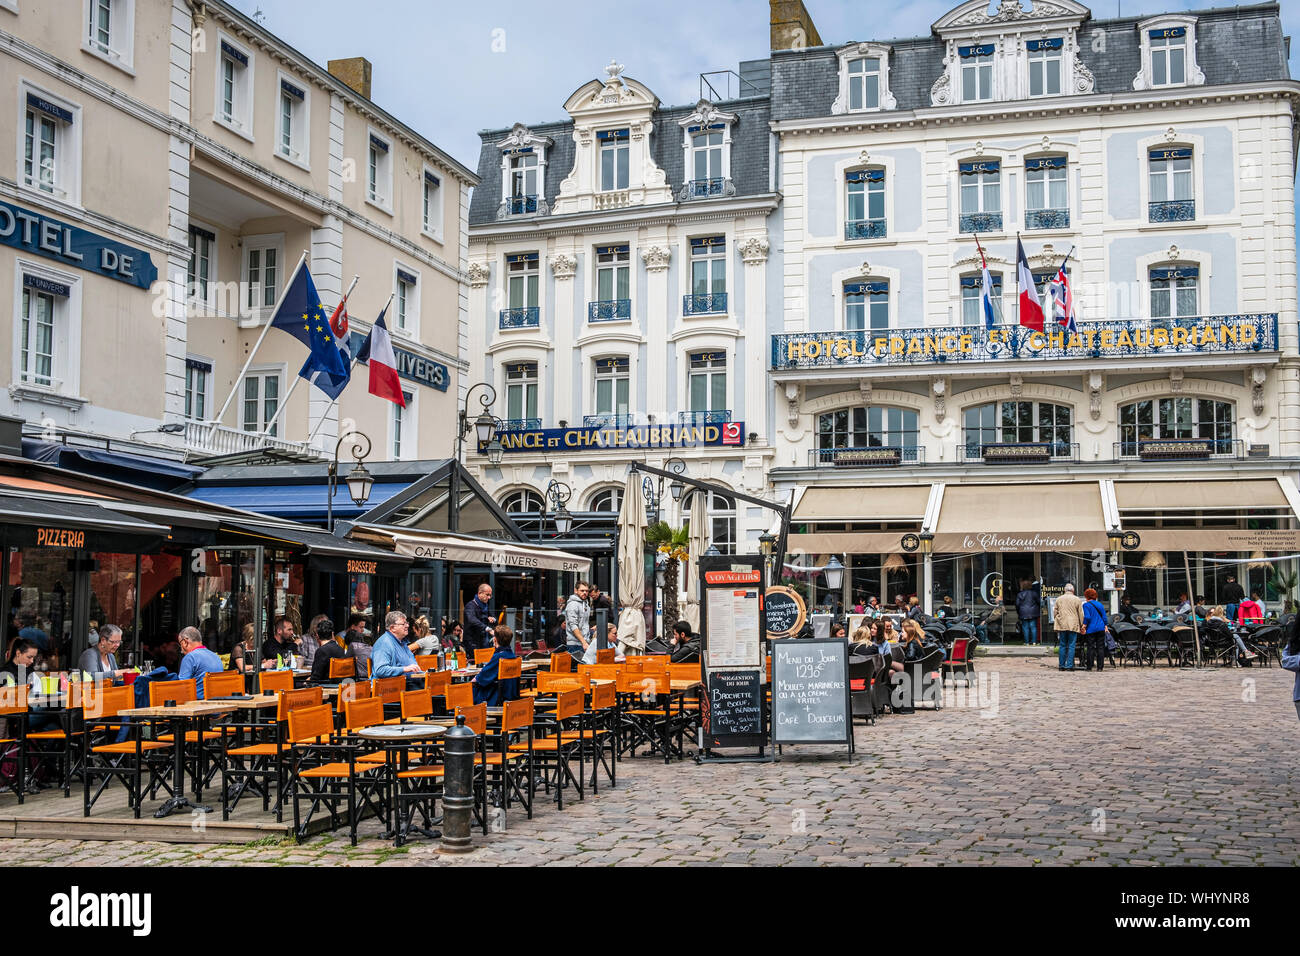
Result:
{"points": [[862, 673], [1160, 642], [1129, 639]]}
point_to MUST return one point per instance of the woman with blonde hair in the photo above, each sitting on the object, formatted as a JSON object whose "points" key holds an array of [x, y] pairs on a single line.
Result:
{"points": [[913, 639], [422, 639]]}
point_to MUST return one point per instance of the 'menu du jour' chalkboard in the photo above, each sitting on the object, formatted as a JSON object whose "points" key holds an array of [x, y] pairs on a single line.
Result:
{"points": [[810, 693], [734, 710]]}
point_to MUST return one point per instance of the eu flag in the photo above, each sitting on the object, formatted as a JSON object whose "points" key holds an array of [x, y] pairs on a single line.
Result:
{"points": [[300, 314]]}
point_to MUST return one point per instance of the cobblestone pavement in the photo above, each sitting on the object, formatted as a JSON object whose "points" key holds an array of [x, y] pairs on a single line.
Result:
{"points": [[1144, 767]]}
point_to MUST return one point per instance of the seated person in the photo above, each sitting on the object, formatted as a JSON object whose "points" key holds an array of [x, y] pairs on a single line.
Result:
{"points": [[422, 640], [198, 660], [332, 648], [391, 657], [100, 661], [860, 642], [913, 640], [684, 646], [947, 608], [488, 689], [881, 646], [19, 669], [1250, 610], [611, 642]]}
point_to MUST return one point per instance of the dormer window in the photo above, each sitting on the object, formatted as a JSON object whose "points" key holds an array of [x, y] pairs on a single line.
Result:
{"points": [[613, 159], [523, 173], [1168, 53], [707, 140], [864, 79], [976, 72], [1045, 66]]}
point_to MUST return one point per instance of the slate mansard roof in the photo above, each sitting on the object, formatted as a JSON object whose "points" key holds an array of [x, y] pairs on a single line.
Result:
{"points": [[1233, 45], [749, 154]]}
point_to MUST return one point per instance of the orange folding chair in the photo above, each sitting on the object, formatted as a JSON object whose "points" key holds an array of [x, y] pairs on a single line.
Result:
{"points": [[276, 680], [141, 764], [329, 773], [264, 761]]}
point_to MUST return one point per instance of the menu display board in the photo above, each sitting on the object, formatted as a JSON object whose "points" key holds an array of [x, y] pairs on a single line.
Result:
{"points": [[733, 637], [735, 709], [783, 611], [810, 693]]}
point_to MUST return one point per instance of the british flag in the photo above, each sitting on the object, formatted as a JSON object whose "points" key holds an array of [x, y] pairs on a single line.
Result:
{"points": [[1063, 301]]}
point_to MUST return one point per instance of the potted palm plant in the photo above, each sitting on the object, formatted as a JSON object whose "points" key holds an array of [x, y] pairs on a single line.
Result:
{"points": [[670, 542]]}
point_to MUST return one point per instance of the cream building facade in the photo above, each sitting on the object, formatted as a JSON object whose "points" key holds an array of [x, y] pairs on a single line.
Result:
{"points": [[181, 158]]}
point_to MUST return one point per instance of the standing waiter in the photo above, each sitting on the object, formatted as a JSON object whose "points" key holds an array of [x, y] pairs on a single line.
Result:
{"points": [[479, 620]]}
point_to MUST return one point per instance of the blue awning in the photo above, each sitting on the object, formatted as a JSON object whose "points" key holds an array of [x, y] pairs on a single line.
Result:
{"points": [[300, 502], [161, 474]]}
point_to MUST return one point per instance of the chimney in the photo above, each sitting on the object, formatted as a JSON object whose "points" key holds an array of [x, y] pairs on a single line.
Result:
{"points": [[792, 26], [355, 72]]}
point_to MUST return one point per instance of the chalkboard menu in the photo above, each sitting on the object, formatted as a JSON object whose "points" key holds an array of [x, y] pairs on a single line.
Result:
{"points": [[734, 716], [810, 693], [783, 611]]}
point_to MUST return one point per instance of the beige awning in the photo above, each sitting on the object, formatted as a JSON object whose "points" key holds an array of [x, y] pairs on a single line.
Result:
{"points": [[505, 555], [864, 503], [1200, 495], [1052, 516]]}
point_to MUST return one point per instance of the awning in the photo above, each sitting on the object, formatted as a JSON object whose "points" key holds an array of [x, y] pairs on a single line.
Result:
{"points": [[450, 547], [72, 523], [1052, 516], [883, 503], [1235, 494], [313, 540], [303, 501], [161, 474]]}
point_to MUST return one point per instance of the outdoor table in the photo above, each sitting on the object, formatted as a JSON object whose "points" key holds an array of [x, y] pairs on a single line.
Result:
{"points": [[197, 710], [395, 739]]}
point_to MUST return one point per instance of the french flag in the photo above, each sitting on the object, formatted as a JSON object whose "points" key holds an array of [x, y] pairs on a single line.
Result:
{"points": [[377, 352], [1031, 310]]}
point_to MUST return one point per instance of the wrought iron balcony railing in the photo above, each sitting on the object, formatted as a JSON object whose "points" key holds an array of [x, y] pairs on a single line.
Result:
{"points": [[1180, 449], [703, 188], [865, 229], [1175, 210], [715, 417], [867, 456], [980, 222], [626, 420], [520, 424], [609, 310], [526, 318], [1111, 339], [1017, 453], [522, 205], [701, 304], [1047, 219]]}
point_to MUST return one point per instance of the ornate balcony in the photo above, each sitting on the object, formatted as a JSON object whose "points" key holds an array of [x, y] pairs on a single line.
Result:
{"points": [[522, 205], [865, 229], [705, 188], [609, 310], [1047, 219], [1176, 210], [612, 199], [1111, 339], [520, 424], [1018, 453], [526, 318], [1181, 449], [867, 456], [717, 416], [980, 222], [626, 420], [702, 304]]}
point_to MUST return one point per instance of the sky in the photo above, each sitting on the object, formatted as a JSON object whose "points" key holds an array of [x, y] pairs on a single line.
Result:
{"points": [[448, 70]]}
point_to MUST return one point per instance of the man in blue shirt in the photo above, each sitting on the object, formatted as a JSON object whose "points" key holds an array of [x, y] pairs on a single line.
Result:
{"points": [[198, 660], [488, 687], [391, 657]]}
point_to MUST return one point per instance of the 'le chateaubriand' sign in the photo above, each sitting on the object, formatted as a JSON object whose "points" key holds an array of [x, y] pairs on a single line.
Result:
{"points": [[639, 436], [1109, 339]]}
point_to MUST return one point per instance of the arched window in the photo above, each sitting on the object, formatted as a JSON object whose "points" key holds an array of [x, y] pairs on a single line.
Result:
{"points": [[872, 426], [1018, 423], [722, 520], [611, 499], [1182, 416], [523, 502]]}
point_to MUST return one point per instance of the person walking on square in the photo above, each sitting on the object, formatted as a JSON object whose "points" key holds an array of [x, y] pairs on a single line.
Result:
{"points": [[1028, 609], [1291, 661], [1069, 622]]}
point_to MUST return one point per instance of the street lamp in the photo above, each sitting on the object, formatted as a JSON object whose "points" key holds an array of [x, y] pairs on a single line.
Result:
{"points": [[485, 427], [927, 542], [359, 480], [558, 494], [712, 550], [766, 541], [834, 574], [651, 497], [676, 486], [1115, 539]]}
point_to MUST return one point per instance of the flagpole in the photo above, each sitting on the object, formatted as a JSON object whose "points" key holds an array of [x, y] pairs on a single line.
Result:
{"points": [[352, 367], [244, 371], [284, 402]]}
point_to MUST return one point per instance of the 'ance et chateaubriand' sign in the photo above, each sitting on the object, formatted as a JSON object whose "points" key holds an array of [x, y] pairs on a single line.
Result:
{"points": [[638, 436]]}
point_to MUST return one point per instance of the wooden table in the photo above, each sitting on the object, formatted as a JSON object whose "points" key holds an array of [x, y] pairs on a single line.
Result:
{"points": [[178, 716]]}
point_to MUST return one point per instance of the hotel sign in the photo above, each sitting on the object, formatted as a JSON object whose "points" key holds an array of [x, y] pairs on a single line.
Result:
{"points": [[1109, 339], [641, 436], [41, 235], [412, 367]]}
